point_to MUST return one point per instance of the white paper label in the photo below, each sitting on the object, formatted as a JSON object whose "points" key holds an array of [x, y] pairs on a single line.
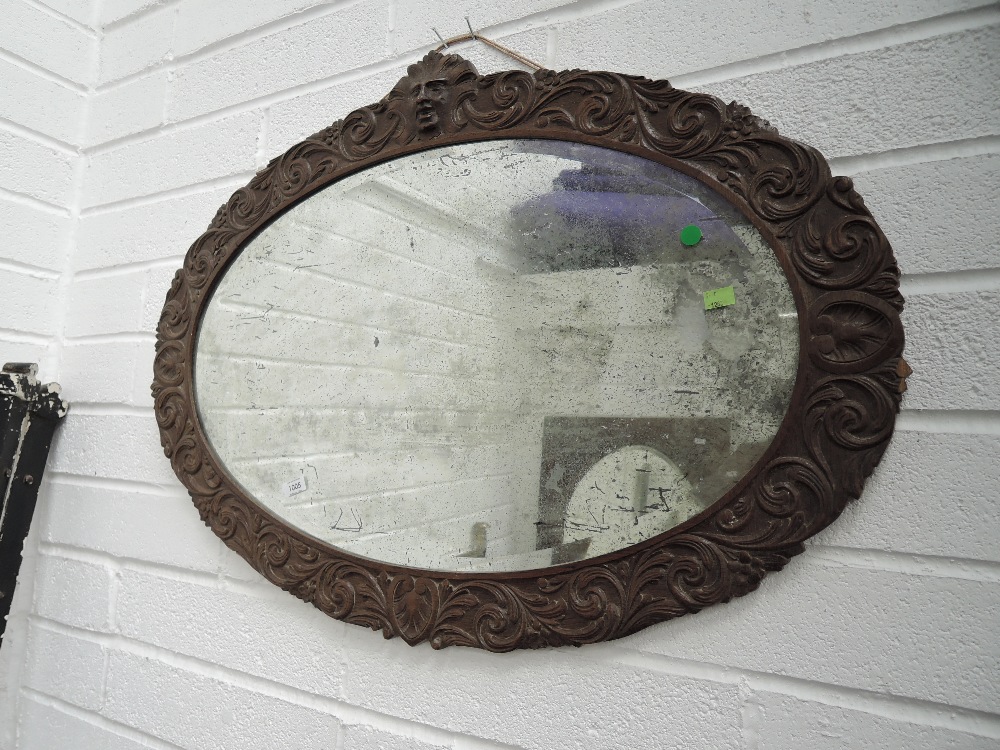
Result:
{"points": [[295, 486]]}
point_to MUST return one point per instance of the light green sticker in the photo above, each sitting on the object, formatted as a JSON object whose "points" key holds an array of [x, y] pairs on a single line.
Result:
{"points": [[723, 297]]}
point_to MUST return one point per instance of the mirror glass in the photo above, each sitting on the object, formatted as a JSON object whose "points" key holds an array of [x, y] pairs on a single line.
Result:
{"points": [[497, 356]]}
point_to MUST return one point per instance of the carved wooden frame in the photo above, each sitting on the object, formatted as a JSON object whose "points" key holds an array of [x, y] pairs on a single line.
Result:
{"points": [[839, 265]]}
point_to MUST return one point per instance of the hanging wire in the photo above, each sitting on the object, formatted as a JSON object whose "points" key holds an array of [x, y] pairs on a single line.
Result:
{"points": [[472, 36]]}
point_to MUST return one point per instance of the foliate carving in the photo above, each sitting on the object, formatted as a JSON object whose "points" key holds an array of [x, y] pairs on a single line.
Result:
{"points": [[842, 272]]}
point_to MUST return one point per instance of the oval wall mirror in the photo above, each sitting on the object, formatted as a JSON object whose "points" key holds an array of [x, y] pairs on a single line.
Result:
{"points": [[524, 360]]}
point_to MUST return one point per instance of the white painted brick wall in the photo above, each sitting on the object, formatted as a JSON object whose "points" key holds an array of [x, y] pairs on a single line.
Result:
{"points": [[226, 713], [200, 25], [52, 108], [51, 723], [35, 169], [147, 231], [234, 76], [111, 12], [310, 112], [556, 699], [787, 721], [836, 106], [111, 445], [929, 506], [65, 667], [45, 41], [73, 592], [178, 158], [133, 106], [81, 11], [691, 38], [125, 123], [31, 298], [235, 628], [948, 341], [845, 623], [89, 307], [129, 516], [34, 234], [137, 44], [939, 216]]}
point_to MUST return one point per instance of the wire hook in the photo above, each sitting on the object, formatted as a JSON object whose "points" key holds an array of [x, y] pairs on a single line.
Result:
{"points": [[474, 37]]}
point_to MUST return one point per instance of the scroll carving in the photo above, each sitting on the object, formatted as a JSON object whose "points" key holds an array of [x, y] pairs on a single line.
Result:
{"points": [[841, 417]]}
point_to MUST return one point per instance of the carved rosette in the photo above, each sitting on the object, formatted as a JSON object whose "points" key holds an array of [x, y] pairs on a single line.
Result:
{"points": [[847, 394]]}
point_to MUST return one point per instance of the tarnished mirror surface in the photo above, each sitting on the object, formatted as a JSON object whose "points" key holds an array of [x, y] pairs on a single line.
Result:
{"points": [[497, 356]]}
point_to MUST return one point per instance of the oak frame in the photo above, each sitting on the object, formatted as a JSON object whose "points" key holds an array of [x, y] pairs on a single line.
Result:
{"points": [[841, 271]]}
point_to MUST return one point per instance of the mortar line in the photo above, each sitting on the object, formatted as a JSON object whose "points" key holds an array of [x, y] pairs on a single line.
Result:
{"points": [[105, 666], [114, 484], [258, 589], [339, 708], [124, 337], [913, 155], [551, 46], [950, 282], [98, 720], [547, 18], [103, 409], [28, 269], [66, 277], [949, 421], [81, 407], [250, 105], [866, 41], [54, 349], [391, 62], [36, 136], [171, 262], [130, 20], [235, 181], [266, 100], [135, 14], [392, 15], [898, 708], [23, 199], [58, 15], [23, 337], [260, 156], [228, 43], [100, 558], [95, 16], [847, 165], [912, 563], [750, 715], [21, 62], [891, 706]]}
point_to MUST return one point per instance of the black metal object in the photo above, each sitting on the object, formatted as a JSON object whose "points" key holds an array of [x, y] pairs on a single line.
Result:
{"points": [[29, 415]]}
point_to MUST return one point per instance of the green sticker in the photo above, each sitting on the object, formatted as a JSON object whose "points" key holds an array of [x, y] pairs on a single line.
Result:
{"points": [[691, 235], [723, 297]]}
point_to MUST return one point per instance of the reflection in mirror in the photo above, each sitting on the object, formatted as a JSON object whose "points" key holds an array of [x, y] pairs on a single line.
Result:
{"points": [[497, 356]]}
